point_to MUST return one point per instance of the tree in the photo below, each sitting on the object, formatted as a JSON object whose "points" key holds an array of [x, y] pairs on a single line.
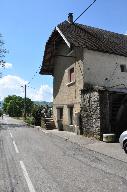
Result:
{"points": [[29, 106], [3, 51], [39, 112], [1, 112], [14, 106]]}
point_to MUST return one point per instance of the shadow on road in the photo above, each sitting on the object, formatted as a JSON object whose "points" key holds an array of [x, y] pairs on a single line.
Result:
{"points": [[5, 126]]}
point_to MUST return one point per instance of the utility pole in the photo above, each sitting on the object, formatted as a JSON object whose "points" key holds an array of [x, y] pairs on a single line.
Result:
{"points": [[24, 101], [25, 104]]}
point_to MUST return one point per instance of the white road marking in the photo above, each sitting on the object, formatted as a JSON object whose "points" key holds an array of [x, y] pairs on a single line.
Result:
{"points": [[29, 183], [10, 134], [15, 146]]}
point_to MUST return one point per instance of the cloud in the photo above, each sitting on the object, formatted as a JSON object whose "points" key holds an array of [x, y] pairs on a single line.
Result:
{"points": [[11, 85], [7, 65], [14, 85], [44, 93]]}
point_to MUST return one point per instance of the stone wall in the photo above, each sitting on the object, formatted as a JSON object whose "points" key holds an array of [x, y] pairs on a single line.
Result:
{"points": [[94, 113], [64, 93]]}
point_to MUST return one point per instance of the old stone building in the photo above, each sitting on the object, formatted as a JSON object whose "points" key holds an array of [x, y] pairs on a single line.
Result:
{"points": [[89, 69]]}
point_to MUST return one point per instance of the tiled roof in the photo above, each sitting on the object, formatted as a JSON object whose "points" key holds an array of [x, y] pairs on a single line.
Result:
{"points": [[94, 38], [86, 37]]}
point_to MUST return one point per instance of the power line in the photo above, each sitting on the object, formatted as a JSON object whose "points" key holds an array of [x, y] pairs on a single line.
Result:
{"points": [[34, 75], [28, 84], [64, 31], [84, 11], [77, 17]]}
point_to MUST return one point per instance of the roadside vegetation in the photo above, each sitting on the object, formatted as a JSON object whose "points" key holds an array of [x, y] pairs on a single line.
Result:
{"points": [[38, 115], [1, 112], [35, 113], [14, 106]]}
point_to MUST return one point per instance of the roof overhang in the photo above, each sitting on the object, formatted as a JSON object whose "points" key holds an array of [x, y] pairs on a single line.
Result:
{"points": [[64, 38], [118, 90], [49, 53]]}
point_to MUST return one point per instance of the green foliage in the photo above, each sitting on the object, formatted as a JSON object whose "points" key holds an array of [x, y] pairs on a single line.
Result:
{"points": [[29, 106], [36, 113], [14, 106], [40, 112], [1, 112], [43, 123], [30, 120]]}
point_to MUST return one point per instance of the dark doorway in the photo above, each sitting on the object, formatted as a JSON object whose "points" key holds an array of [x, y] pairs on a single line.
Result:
{"points": [[116, 119]]}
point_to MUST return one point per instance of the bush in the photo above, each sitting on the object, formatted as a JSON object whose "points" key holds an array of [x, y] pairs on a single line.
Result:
{"points": [[43, 123], [1, 113], [30, 120]]}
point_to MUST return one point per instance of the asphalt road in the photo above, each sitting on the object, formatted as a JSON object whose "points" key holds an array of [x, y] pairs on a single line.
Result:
{"points": [[32, 161]]}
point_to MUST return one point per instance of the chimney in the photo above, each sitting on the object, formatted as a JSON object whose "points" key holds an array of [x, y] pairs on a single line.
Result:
{"points": [[70, 17]]}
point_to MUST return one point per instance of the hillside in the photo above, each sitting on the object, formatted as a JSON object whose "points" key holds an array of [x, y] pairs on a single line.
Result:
{"points": [[43, 103], [36, 102]]}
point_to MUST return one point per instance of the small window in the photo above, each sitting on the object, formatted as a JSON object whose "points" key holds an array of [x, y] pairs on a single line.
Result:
{"points": [[123, 68], [70, 115], [71, 75], [60, 113]]}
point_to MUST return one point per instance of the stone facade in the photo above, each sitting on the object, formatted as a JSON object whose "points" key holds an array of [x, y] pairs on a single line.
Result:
{"points": [[90, 67], [65, 93], [90, 113], [95, 113], [96, 57]]}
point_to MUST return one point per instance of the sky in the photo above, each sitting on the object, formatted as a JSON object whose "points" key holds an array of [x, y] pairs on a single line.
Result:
{"points": [[26, 26]]}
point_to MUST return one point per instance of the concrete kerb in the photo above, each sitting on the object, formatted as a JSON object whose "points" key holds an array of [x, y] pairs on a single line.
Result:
{"points": [[51, 133], [112, 150], [72, 137]]}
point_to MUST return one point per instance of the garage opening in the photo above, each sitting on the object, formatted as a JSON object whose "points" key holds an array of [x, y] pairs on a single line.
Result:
{"points": [[117, 111]]}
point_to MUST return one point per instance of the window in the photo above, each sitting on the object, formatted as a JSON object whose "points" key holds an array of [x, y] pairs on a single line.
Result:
{"points": [[70, 115], [71, 75], [123, 68], [60, 113]]}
